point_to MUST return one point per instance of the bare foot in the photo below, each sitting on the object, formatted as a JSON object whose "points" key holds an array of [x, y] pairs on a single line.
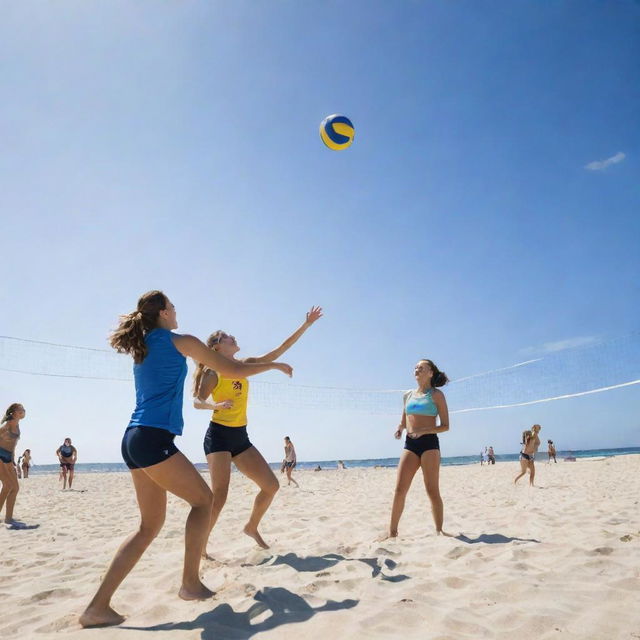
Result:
{"points": [[94, 617], [387, 536], [444, 533], [197, 592], [207, 556], [253, 533]]}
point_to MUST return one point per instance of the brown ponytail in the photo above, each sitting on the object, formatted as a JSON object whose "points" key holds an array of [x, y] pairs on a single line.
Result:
{"points": [[129, 336], [439, 378], [212, 340], [8, 414]]}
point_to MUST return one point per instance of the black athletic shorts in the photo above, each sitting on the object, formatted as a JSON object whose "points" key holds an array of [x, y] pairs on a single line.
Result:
{"points": [[424, 443], [145, 446], [6, 456], [221, 438]]}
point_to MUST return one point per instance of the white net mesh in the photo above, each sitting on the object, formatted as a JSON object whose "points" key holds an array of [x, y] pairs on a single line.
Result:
{"points": [[592, 368]]}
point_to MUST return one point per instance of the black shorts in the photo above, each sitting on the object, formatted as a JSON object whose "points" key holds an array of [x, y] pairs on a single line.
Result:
{"points": [[221, 438], [424, 443], [145, 446], [67, 465], [6, 456]]}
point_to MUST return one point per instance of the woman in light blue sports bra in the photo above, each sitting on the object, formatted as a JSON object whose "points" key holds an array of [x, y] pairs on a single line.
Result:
{"points": [[422, 407]]}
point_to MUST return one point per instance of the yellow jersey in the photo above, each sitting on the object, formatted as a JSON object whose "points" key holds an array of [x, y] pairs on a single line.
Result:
{"points": [[236, 390]]}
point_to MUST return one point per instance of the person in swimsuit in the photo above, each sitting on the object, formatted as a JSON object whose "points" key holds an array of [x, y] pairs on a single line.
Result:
{"points": [[290, 460], [492, 455], [67, 456], [9, 436], [24, 462], [422, 406], [551, 452], [226, 439], [530, 444], [148, 449]]}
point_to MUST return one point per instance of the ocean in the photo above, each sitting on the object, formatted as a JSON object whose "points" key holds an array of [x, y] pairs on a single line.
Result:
{"points": [[113, 467]]}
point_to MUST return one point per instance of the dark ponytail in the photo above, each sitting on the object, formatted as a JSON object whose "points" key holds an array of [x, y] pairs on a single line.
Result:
{"points": [[439, 378], [129, 336]]}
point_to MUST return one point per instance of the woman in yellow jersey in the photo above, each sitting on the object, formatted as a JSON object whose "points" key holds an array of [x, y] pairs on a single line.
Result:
{"points": [[227, 439]]}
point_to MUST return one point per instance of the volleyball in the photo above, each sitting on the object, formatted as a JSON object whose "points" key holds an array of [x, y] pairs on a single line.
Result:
{"points": [[337, 132]]}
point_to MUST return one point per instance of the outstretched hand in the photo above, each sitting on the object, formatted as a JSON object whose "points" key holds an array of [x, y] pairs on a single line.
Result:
{"points": [[314, 314], [285, 368]]}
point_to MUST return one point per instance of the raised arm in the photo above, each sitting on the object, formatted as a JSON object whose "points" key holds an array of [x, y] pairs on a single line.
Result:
{"points": [[191, 347], [314, 314]]}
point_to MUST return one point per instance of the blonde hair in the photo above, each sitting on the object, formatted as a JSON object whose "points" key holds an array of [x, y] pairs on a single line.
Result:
{"points": [[8, 414], [198, 374]]}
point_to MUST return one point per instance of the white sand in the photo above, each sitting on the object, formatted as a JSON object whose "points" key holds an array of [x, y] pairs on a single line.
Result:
{"points": [[561, 561]]}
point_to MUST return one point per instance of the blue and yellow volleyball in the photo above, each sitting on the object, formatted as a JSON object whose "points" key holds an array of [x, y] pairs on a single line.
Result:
{"points": [[337, 132]]}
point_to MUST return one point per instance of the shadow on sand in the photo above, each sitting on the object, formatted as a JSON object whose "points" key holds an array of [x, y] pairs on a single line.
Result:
{"points": [[492, 538], [223, 623], [321, 563]]}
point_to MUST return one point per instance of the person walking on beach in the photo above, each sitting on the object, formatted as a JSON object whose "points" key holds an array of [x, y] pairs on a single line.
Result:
{"points": [[148, 448], [67, 456], [551, 452], [226, 439], [9, 436], [290, 460], [530, 444], [422, 406], [24, 463], [491, 455]]}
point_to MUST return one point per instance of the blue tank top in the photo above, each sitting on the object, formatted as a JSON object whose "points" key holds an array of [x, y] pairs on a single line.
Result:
{"points": [[159, 382], [422, 405]]}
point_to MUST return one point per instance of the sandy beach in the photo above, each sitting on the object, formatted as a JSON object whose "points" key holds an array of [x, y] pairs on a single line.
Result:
{"points": [[558, 561]]}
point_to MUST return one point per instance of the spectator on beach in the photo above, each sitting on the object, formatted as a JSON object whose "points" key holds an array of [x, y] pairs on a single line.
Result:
{"points": [[341, 465], [530, 444], [24, 463], [492, 455], [67, 455], [290, 459], [9, 436], [318, 468], [551, 451]]}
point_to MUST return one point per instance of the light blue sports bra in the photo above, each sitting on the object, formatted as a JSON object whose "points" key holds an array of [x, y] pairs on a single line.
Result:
{"points": [[422, 405]]}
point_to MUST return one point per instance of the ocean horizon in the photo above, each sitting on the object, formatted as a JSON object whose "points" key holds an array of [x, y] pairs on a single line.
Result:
{"points": [[117, 467]]}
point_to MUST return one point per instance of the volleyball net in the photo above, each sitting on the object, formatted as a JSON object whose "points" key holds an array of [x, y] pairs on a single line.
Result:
{"points": [[595, 367]]}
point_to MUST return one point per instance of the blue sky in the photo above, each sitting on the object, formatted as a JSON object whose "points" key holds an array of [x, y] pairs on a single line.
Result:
{"points": [[175, 146]]}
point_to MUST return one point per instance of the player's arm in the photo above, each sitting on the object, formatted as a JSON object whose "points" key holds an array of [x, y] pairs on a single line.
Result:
{"points": [[191, 347], [443, 411], [208, 383], [314, 314], [403, 419]]}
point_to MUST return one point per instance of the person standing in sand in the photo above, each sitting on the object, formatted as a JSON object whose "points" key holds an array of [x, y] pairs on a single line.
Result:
{"points": [[530, 444], [551, 452], [24, 462], [226, 439], [148, 448], [290, 460], [422, 406], [67, 456], [9, 436]]}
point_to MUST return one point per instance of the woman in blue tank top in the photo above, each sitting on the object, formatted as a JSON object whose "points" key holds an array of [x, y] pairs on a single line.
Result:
{"points": [[148, 448], [422, 406]]}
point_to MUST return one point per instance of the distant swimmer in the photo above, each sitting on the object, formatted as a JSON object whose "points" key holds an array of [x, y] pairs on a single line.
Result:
{"points": [[530, 444], [290, 460], [226, 439], [422, 406], [148, 448], [9, 436], [67, 456]]}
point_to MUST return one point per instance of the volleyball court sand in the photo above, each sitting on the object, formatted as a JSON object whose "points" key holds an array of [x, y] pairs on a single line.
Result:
{"points": [[561, 561]]}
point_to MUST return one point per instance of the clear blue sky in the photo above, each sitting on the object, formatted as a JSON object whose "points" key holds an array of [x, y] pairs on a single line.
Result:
{"points": [[174, 145]]}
